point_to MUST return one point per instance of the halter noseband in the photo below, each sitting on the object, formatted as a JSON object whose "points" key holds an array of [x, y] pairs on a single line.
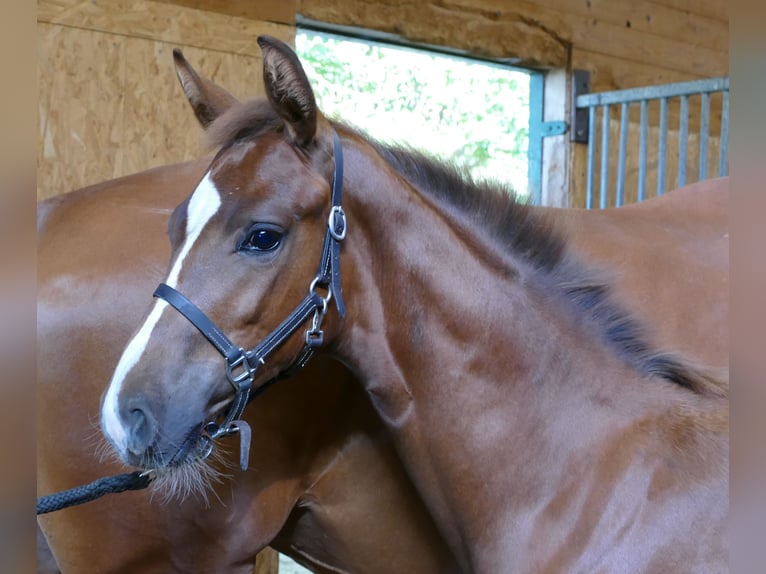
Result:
{"points": [[241, 365]]}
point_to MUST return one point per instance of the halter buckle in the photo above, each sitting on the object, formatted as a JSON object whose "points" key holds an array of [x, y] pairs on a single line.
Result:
{"points": [[336, 223], [247, 374]]}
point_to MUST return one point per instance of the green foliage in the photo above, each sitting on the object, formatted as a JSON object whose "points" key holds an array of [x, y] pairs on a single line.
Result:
{"points": [[471, 113]]}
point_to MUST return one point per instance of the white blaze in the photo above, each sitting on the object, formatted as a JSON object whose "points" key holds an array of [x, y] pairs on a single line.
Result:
{"points": [[203, 205]]}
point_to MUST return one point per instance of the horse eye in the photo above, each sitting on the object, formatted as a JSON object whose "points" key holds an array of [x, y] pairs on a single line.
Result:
{"points": [[261, 239]]}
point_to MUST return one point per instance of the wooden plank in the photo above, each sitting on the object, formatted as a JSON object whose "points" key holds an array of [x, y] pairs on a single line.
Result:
{"points": [[591, 34], [83, 110], [279, 11], [713, 9], [517, 40], [111, 105], [267, 562], [49, 9], [173, 24], [555, 159], [614, 73], [655, 19]]}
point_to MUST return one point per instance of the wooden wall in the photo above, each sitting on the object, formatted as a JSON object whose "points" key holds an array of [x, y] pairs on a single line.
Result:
{"points": [[110, 105], [109, 101], [622, 43]]}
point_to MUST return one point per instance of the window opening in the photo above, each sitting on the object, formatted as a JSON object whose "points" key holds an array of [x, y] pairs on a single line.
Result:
{"points": [[471, 112]]}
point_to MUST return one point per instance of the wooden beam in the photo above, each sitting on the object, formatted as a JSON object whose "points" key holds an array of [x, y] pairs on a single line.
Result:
{"points": [[713, 9], [278, 11], [590, 33], [516, 39], [165, 22], [653, 18]]}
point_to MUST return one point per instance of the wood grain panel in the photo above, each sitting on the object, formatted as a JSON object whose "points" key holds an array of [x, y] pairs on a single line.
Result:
{"points": [[645, 16], [280, 11], [594, 34], [464, 26], [713, 9], [169, 23]]}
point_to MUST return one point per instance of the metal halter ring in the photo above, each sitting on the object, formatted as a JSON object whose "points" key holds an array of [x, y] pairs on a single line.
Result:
{"points": [[325, 300]]}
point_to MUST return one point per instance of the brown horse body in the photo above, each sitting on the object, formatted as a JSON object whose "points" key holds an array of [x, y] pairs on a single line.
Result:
{"points": [[322, 465], [340, 497], [102, 249]]}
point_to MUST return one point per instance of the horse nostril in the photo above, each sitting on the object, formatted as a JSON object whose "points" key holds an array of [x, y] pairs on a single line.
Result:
{"points": [[141, 431]]}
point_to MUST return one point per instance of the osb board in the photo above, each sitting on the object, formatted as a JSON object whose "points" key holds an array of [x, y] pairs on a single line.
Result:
{"points": [[163, 22], [280, 11], [110, 104]]}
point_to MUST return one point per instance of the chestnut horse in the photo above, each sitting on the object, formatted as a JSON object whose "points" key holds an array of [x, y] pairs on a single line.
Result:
{"points": [[538, 423], [81, 235], [322, 463], [111, 237]]}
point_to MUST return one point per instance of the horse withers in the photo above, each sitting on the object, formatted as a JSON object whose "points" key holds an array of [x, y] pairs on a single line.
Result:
{"points": [[538, 422]]}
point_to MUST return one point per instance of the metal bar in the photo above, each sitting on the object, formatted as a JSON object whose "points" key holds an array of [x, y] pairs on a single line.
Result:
{"points": [[642, 137], [723, 157], [620, 195], [704, 135], [662, 148], [604, 158], [683, 136], [591, 156], [653, 92]]}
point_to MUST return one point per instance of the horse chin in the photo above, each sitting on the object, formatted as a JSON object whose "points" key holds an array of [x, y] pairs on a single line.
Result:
{"points": [[191, 471]]}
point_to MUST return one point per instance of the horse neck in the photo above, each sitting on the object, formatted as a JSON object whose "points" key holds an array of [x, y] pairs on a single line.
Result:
{"points": [[467, 358], [421, 279]]}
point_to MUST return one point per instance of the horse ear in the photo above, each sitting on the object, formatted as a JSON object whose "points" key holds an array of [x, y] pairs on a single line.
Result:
{"points": [[207, 99], [288, 89]]}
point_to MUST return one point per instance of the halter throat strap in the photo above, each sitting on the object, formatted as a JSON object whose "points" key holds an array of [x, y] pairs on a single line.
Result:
{"points": [[242, 364]]}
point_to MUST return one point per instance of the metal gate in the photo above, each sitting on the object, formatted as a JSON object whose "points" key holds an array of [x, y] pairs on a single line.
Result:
{"points": [[670, 113]]}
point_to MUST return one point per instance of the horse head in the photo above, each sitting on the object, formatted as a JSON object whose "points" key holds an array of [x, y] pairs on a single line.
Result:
{"points": [[246, 246]]}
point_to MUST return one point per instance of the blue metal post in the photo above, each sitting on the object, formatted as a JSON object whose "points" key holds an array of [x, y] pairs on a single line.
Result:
{"points": [[704, 135], [604, 158], [723, 156], [643, 136], [591, 155], [535, 152], [662, 150], [620, 195], [683, 137]]}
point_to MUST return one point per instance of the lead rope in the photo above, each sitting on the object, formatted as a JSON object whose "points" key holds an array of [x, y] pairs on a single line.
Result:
{"points": [[136, 480]]}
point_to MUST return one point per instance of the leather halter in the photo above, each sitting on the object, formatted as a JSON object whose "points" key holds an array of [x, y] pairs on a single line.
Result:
{"points": [[241, 365]]}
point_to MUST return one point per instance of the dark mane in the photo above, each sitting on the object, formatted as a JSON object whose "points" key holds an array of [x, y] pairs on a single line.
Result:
{"points": [[518, 228]]}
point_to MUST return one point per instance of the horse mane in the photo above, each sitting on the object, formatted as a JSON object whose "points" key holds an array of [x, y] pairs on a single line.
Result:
{"points": [[518, 229], [532, 236]]}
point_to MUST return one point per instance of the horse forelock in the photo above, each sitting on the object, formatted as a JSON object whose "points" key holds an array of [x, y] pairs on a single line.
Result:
{"points": [[246, 120]]}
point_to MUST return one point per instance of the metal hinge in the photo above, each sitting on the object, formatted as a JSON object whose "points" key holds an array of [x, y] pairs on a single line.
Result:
{"points": [[580, 85], [554, 128]]}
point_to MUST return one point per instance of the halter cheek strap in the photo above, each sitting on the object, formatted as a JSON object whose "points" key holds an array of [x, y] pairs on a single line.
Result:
{"points": [[241, 365]]}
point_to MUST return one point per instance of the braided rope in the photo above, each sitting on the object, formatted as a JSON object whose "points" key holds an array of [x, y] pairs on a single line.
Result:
{"points": [[136, 480]]}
